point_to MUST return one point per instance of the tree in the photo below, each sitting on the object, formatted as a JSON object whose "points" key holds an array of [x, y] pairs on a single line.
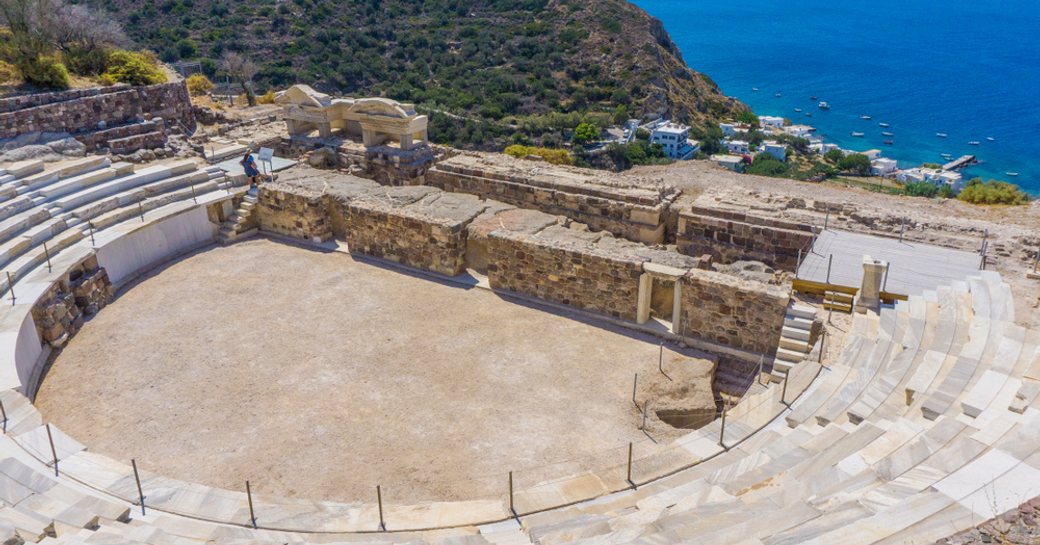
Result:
{"points": [[921, 189], [585, 133], [83, 34], [855, 163], [835, 156], [242, 70], [765, 164], [992, 192], [748, 117], [27, 39]]}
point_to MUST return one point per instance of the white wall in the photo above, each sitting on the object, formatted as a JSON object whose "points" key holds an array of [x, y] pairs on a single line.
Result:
{"points": [[136, 252]]}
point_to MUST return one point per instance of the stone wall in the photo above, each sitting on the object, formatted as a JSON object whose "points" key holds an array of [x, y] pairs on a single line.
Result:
{"points": [[84, 112], [631, 208], [731, 311], [293, 212], [60, 312], [732, 235]]}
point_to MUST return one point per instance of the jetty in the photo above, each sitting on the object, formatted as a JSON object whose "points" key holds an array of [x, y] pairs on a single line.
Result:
{"points": [[961, 162]]}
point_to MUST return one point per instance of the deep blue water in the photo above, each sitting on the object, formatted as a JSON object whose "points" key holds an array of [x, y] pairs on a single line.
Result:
{"points": [[970, 69]]}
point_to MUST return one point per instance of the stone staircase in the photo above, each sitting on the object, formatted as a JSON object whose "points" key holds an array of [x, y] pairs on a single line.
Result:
{"points": [[242, 223], [838, 301], [794, 340]]}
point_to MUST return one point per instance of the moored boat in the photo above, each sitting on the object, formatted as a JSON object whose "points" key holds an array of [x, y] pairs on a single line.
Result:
{"points": [[865, 117], [823, 105], [885, 125], [857, 134], [1012, 174], [888, 142], [941, 134], [886, 133], [973, 143]]}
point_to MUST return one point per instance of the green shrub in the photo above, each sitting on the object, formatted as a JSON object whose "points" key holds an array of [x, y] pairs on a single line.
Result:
{"points": [[585, 133], [46, 71], [835, 156], [552, 156], [921, 189], [992, 192], [855, 163], [266, 98], [133, 67], [198, 85], [8, 72], [765, 164]]}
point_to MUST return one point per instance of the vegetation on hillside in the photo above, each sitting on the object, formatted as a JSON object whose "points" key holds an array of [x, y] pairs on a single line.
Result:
{"points": [[992, 192], [489, 72], [44, 43]]}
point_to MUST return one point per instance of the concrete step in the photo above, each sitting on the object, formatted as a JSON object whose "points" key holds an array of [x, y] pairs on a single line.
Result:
{"points": [[795, 345], [784, 354], [797, 323], [801, 311], [795, 333]]}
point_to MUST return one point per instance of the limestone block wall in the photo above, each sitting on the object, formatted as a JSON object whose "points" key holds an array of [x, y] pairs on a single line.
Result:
{"points": [[731, 311], [401, 236], [596, 282], [293, 213], [730, 235], [84, 291], [83, 112], [623, 207]]}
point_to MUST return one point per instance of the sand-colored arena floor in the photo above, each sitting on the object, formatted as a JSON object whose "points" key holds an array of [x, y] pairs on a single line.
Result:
{"points": [[315, 375]]}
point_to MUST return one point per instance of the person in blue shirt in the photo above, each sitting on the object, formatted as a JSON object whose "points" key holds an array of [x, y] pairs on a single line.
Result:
{"points": [[249, 165]]}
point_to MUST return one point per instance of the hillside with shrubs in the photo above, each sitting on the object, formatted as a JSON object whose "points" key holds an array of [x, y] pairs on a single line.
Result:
{"points": [[490, 73]]}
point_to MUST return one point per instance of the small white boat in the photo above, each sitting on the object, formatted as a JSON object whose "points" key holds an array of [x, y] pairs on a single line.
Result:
{"points": [[778, 95], [808, 114], [823, 105], [798, 110], [941, 134], [755, 89], [973, 143], [946, 156], [865, 117], [991, 139], [885, 125], [1012, 174], [886, 133], [857, 134]]}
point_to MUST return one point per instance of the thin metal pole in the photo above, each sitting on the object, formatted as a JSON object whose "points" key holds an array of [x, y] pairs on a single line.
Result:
{"points": [[4, 412], [140, 209], [799, 264], [90, 225], [249, 495], [783, 393], [823, 337], [645, 405], [635, 382], [985, 238], [47, 254], [512, 509], [830, 261], [193, 194], [761, 368], [660, 359], [379, 498], [629, 478], [722, 430], [10, 286], [137, 477], [902, 228], [827, 218], [54, 453]]}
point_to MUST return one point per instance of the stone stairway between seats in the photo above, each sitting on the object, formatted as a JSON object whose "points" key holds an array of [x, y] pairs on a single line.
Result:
{"points": [[794, 340], [242, 223]]}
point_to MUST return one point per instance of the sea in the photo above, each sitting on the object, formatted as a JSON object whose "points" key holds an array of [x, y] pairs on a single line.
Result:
{"points": [[969, 69]]}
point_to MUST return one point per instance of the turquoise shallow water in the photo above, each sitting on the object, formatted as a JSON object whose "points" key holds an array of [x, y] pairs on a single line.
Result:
{"points": [[970, 69]]}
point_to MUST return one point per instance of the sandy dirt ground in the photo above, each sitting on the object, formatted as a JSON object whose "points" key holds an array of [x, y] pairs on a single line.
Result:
{"points": [[317, 376], [1012, 232]]}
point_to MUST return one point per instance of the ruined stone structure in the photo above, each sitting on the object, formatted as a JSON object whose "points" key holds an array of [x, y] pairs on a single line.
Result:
{"points": [[635, 210], [527, 252], [121, 118], [81, 292], [730, 234]]}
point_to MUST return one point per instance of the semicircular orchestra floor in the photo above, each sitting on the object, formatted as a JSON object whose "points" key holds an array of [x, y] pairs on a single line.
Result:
{"points": [[317, 376]]}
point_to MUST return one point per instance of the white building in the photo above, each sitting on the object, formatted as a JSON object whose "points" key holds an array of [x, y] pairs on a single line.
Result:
{"points": [[823, 147], [935, 176], [883, 167], [799, 131], [731, 162], [731, 129], [771, 121], [674, 139], [739, 147], [775, 149], [952, 179]]}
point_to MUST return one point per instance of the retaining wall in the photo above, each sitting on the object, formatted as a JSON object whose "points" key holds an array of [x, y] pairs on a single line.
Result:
{"points": [[731, 311], [82, 112], [730, 236]]}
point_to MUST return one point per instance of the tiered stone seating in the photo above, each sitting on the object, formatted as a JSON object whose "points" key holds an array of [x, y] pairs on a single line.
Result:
{"points": [[925, 425]]}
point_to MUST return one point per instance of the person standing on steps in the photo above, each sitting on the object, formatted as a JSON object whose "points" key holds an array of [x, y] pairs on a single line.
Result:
{"points": [[249, 165]]}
